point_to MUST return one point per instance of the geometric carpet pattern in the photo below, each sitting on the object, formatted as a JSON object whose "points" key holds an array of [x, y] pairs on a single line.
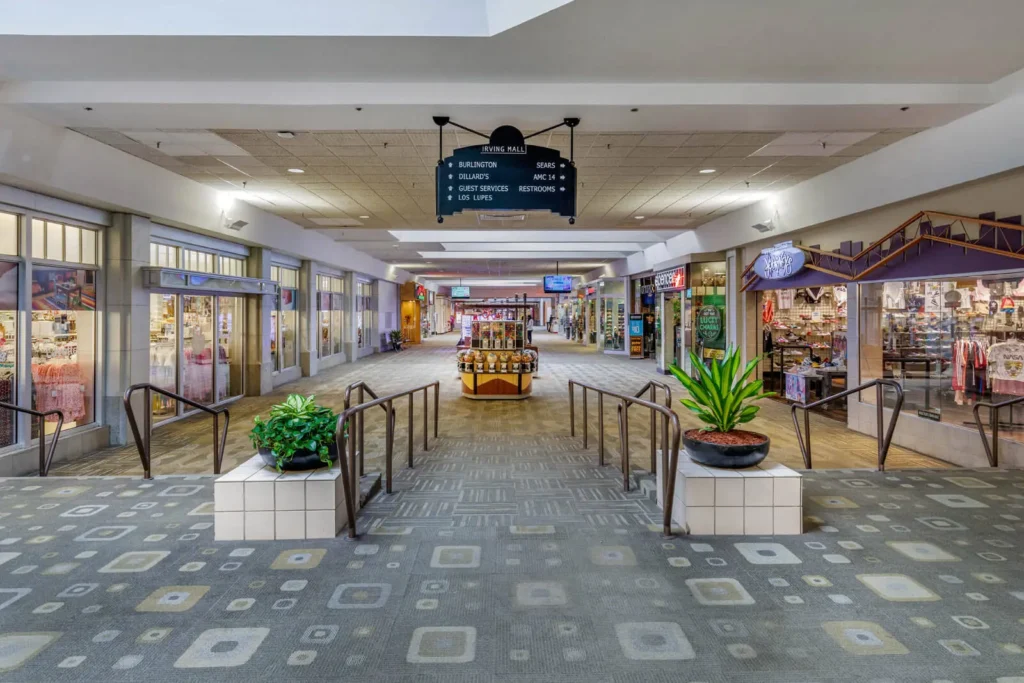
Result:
{"points": [[530, 566]]}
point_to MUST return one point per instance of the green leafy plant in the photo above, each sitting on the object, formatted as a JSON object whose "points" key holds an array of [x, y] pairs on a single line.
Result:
{"points": [[295, 426], [721, 395], [395, 337]]}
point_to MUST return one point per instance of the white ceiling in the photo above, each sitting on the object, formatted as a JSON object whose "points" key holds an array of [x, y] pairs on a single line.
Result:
{"points": [[867, 41], [359, 185]]}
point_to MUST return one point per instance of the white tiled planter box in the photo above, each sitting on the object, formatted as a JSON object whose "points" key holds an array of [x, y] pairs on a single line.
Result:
{"points": [[254, 502], [756, 501]]}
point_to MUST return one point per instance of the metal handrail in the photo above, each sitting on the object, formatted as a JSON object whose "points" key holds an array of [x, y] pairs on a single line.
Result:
{"points": [[363, 389], [992, 452], [45, 454], [145, 444], [883, 443], [347, 456], [670, 445], [654, 385]]}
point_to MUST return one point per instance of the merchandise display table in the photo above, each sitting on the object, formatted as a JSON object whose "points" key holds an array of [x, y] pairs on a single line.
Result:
{"points": [[754, 501], [498, 365]]}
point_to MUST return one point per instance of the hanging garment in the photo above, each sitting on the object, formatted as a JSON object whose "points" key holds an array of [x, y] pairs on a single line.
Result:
{"points": [[1006, 367], [767, 345], [813, 294], [786, 299], [892, 296], [768, 310], [982, 293], [839, 292]]}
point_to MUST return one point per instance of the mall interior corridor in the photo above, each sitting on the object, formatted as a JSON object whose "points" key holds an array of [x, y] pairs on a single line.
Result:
{"points": [[185, 447], [226, 225]]}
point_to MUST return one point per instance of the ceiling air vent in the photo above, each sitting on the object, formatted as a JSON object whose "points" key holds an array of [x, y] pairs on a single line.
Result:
{"points": [[486, 217]]}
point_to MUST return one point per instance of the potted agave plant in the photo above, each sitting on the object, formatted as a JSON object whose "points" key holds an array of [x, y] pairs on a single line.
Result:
{"points": [[721, 397], [299, 435]]}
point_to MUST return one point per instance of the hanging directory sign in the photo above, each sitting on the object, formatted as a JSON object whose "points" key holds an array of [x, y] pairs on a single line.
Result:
{"points": [[506, 175]]}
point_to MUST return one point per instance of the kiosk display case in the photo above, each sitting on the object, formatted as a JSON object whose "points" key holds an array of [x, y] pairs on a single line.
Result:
{"points": [[497, 365]]}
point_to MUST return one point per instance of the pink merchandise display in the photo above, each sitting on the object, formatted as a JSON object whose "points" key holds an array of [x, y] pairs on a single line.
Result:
{"points": [[59, 386]]}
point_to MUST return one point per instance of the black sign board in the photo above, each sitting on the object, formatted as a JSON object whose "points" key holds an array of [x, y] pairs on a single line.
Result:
{"points": [[506, 175]]}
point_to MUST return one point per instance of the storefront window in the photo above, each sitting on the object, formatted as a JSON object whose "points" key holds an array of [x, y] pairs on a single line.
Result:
{"points": [[803, 343], [284, 321], [197, 337], [364, 306], [59, 242], [163, 255], [949, 343], [8, 338], [163, 352], [64, 343], [330, 307], [614, 324], [229, 347]]}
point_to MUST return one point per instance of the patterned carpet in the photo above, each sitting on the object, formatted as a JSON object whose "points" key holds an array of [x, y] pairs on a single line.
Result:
{"points": [[533, 565]]}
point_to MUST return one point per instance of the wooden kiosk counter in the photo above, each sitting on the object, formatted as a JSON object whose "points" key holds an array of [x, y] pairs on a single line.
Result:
{"points": [[497, 364]]}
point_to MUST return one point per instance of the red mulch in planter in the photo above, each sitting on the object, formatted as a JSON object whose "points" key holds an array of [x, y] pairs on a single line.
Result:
{"points": [[736, 437]]}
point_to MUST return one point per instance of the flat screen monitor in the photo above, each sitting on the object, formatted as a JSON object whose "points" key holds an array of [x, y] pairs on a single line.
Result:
{"points": [[460, 292], [558, 284]]}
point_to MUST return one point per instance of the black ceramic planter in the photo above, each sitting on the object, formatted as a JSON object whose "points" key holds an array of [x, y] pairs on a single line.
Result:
{"points": [[302, 460], [734, 457]]}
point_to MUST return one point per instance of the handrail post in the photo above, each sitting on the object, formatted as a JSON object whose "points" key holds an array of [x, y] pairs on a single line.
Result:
{"points": [[670, 482], [362, 449], [584, 418], [147, 429], [216, 443], [995, 435], [600, 429], [437, 391], [572, 409], [409, 447], [665, 454], [654, 429], [352, 465], [343, 436], [389, 445], [624, 438], [426, 415], [880, 416], [43, 469], [807, 435]]}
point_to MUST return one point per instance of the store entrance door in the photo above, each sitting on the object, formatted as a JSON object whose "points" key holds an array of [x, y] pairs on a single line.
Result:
{"points": [[196, 349]]}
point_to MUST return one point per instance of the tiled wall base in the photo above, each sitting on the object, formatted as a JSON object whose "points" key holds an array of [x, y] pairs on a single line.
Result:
{"points": [[254, 502], [755, 501]]}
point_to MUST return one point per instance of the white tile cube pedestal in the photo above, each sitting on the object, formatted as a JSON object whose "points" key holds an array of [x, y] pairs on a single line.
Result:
{"points": [[254, 502], [763, 500]]}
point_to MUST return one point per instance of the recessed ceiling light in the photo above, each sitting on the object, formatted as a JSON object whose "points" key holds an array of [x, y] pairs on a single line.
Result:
{"points": [[286, 134], [394, 246], [364, 216], [639, 218], [295, 170], [705, 171]]}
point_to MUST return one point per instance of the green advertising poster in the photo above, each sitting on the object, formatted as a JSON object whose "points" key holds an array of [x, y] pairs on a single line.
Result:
{"points": [[709, 324]]}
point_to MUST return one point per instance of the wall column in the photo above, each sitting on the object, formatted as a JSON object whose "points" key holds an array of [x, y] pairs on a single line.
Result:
{"points": [[126, 326], [350, 324], [258, 366], [309, 323]]}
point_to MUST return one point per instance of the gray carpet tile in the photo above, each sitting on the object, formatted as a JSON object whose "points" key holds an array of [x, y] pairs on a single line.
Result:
{"points": [[531, 567]]}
